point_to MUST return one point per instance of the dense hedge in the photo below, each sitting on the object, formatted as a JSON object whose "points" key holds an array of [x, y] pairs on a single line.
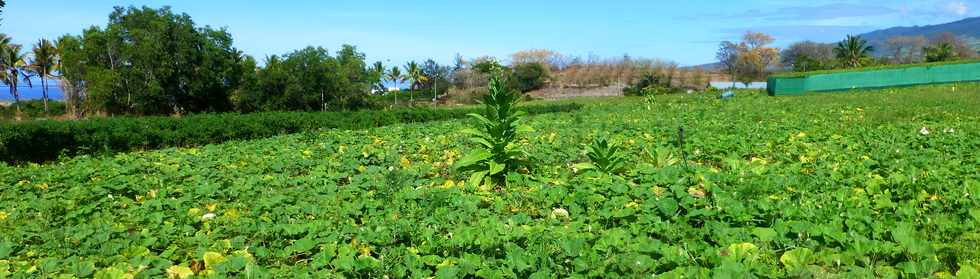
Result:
{"points": [[46, 140]]}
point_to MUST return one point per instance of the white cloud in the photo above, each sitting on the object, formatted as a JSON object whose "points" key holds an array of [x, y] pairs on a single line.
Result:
{"points": [[957, 8]]}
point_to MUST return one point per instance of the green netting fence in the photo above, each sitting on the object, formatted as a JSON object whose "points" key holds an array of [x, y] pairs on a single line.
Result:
{"points": [[881, 78]]}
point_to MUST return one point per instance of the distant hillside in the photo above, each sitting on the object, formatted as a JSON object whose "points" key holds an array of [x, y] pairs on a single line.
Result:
{"points": [[968, 29]]}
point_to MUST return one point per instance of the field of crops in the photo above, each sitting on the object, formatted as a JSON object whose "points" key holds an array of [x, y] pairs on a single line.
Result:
{"points": [[861, 184]]}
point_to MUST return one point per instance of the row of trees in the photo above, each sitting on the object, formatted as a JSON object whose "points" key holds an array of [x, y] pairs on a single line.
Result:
{"points": [[17, 66], [155, 62], [752, 58], [854, 52], [540, 68]]}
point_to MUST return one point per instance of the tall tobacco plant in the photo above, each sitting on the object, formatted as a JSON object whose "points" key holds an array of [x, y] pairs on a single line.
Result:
{"points": [[496, 134]]}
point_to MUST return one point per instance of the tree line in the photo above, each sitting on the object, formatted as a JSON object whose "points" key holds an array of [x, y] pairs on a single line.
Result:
{"points": [[148, 61], [753, 59], [854, 52]]}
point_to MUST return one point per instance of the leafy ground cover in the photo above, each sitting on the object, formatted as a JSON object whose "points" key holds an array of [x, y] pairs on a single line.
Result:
{"points": [[860, 184]]}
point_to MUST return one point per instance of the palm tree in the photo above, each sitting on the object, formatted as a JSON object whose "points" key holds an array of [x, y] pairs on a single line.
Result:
{"points": [[45, 61], [379, 69], [940, 52], [853, 51], [415, 77], [4, 40], [13, 69], [395, 76]]}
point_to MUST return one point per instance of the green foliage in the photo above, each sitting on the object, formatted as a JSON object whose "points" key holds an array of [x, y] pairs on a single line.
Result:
{"points": [[853, 52], [651, 84], [605, 157], [13, 67], [497, 134], [819, 186], [528, 77], [45, 140], [941, 52], [309, 79], [809, 56], [152, 61], [32, 109], [43, 64]]}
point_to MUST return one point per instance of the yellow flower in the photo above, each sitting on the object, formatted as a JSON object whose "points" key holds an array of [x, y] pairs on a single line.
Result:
{"points": [[365, 250], [659, 191], [448, 184], [3, 215], [805, 159], [405, 162], [307, 152]]}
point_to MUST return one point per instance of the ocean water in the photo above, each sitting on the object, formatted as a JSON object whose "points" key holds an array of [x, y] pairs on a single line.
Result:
{"points": [[32, 93]]}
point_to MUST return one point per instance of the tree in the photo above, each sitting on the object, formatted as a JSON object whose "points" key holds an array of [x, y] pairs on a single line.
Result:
{"points": [[415, 78], [549, 58], [2, 5], [940, 52], [749, 59], [438, 77], [808, 56], [728, 56], [71, 70], [395, 76], [757, 57], [309, 79], [528, 77], [13, 69], [961, 48], [853, 52], [378, 74], [44, 63], [906, 49], [153, 61]]}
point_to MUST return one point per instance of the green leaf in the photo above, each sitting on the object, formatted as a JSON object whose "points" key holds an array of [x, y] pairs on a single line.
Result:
{"points": [[212, 259], [473, 158], [495, 168], [483, 120], [477, 178], [583, 166], [796, 258], [742, 250], [765, 234], [111, 273], [303, 245]]}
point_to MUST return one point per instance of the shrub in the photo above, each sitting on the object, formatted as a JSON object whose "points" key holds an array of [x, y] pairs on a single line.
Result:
{"points": [[45, 140], [528, 77]]}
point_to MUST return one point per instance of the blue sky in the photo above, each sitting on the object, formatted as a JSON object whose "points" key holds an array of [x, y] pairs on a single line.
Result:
{"points": [[684, 31]]}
